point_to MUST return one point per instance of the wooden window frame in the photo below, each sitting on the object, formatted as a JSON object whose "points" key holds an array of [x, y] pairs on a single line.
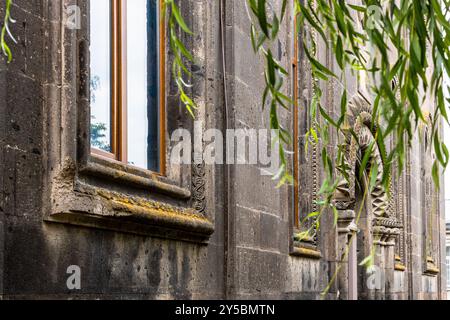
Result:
{"points": [[119, 120]]}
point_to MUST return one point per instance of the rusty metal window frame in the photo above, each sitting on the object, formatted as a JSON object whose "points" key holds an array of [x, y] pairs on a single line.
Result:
{"points": [[295, 85], [310, 248]]}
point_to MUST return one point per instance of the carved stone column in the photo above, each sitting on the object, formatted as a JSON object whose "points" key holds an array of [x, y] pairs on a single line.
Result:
{"points": [[378, 273], [346, 236], [386, 231]]}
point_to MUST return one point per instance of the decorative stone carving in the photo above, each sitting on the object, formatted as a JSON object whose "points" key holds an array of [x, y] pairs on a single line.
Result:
{"points": [[384, 223], [78, 202], [309, 164], [315, 190], [385, 234], [198, 188], [346, 223], [430, 200], [360, 118]]}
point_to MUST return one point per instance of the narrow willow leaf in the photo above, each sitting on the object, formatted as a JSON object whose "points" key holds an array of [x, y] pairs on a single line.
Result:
{"points": [[335, 216], [339, 49], [306, 14], [262, 17], [373, 176], [317, 65], [435, 174], [343, 109], [179, 18], [5, 31], [327, 117], [446, 155], [367, 261], [365, 160]]}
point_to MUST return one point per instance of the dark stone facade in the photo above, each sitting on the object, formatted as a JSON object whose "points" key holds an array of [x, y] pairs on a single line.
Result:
{"points": [[202, 232]]}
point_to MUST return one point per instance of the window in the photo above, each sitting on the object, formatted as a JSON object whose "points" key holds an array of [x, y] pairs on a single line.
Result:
{"points": [[127, 105], [295, 86], [117, 180], [305, 163], [447, 261]]}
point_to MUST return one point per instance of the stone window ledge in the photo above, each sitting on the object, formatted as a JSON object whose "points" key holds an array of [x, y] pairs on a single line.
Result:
{"points": [[132, 176], [399, 265], [79, 203], [305, 250], [430, 268]]}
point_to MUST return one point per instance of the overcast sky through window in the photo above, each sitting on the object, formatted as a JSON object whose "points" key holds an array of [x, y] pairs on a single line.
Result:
{"points": [[137, 74]]}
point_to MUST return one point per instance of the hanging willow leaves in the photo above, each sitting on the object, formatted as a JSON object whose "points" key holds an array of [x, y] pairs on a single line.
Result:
{"points": [[406, 41], [401, 47], [418, 35], [180, 54], [6, 31], [178, 49], [264, 30]]}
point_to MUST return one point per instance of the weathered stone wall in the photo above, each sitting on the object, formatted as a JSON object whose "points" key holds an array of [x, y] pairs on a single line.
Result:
{"points": [[262, 261], [35, 254], [251, 254]]}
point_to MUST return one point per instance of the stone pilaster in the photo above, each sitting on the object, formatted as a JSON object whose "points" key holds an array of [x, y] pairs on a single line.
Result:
{"points": [[346, 239], [385, 236]]}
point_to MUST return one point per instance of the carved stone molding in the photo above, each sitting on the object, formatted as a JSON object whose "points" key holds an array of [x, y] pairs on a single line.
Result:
{"points": [[385, 235], [315, 188], [431, 268], [80, 203], [346, 222], [386, 230], [384, 226], [198, 188], [399, 265], [309, 165], [306, 252]]}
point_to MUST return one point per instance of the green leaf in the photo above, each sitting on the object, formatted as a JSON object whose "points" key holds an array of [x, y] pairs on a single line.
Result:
{"points": [[367, 261], [262, 17], [339, 49], [319, 28], [343, 109], [365, 160], [317, 65], [179, 18], [435, 174], [373, 176]]}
